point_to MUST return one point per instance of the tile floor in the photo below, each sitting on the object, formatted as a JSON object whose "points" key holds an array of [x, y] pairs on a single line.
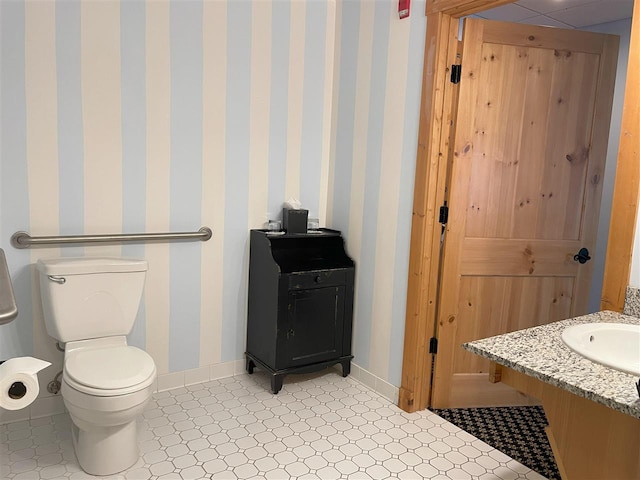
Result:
{"points": [[319, 426]]}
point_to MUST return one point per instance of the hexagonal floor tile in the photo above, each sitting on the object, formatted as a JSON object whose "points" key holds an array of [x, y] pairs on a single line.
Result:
{"points": [[320, 426]]}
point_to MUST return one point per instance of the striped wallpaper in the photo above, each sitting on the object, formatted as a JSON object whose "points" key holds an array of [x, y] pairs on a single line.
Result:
{"points": [[623, 29], [379, 64], [158, 115]]}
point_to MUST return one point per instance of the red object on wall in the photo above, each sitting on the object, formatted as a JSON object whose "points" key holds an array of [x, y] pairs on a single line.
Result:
{"points": [[404, 8]]}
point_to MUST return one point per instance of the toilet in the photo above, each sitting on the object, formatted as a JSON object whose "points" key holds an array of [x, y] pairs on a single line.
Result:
{"points": [[90, 305]]}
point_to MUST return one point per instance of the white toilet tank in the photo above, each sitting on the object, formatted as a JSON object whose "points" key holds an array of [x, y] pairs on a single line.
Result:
{"points": [[90, 297]]}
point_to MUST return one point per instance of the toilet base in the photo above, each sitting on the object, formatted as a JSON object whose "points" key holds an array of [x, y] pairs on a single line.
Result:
{"points": [[106, 450]]}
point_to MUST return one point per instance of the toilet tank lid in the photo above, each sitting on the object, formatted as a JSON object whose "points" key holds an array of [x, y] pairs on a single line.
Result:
{"points": [[85, 265]]}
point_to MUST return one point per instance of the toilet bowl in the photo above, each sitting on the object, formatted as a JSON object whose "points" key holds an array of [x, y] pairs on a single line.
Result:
{"points": [[90, 304], [105, 386]]}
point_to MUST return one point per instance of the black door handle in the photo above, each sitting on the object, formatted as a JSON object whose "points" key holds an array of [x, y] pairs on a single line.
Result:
{"points": [[582, 256]]}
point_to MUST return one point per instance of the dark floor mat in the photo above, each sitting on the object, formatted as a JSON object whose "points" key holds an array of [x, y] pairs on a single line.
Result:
{"points": [[515, 431]]}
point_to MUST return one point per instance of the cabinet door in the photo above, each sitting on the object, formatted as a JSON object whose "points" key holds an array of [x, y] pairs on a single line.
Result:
{"points": [[313, 332]]}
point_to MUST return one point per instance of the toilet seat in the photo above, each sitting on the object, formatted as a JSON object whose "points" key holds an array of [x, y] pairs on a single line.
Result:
{"points": [[108, 371]]}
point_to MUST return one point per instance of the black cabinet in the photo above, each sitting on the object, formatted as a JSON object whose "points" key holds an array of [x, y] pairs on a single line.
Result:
{"points": [[300, 312]]}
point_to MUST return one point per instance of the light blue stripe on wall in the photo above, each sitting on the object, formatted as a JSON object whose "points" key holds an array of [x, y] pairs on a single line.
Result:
{"points": [[405, 204], [366, 275], [16, 338], [236, 219], [134, 119], [312, 107], [623, 29], [185, 183], [278, 114], [70, 131], [346, 116]]}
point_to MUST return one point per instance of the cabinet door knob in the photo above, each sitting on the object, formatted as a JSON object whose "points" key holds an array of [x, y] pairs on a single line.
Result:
{"points": [[317, 279]]}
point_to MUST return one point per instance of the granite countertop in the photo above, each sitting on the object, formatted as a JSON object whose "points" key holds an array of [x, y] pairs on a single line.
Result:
{"points": [[541, 353]]}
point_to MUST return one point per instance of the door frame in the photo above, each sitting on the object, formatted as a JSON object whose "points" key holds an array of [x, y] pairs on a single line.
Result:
{"points": [[437, 110]]}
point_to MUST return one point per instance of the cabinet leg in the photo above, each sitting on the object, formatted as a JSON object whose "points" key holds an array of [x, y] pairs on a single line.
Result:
{"points": [[276, 383], [346, 367], [250, 366]]}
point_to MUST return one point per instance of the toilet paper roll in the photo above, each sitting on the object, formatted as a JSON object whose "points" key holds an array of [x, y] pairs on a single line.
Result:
{"points": [[19, 382]]}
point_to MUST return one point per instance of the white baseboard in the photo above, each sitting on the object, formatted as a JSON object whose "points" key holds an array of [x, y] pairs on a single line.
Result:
{"points": [[378, 385], [53, 405], [169, 381], [43, 406], [48, 404], [216, 371]]}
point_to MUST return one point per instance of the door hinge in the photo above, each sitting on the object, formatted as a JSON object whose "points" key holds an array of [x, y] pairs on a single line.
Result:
{"points": [[444, 214], [433, 345], [456, 72]]}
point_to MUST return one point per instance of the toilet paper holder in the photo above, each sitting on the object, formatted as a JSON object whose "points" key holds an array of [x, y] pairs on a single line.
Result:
{"points": [[19, 386], [8, 307]]}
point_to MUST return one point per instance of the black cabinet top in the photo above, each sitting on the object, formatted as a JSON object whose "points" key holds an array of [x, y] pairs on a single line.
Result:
{"points": [[302, 252], [320, 233]]}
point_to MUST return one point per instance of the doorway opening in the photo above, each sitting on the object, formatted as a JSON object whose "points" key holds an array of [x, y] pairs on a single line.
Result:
{"points": [[438, 112]]}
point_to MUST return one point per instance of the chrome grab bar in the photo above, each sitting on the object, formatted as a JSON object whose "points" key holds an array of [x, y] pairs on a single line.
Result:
{"points": [[24, 240], [8, 307]]}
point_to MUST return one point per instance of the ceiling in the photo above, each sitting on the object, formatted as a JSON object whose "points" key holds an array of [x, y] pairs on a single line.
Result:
{"points": [[561, 13]]}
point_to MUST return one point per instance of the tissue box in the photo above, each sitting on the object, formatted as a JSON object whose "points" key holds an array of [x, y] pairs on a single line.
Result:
{"points": [[294, 221]]}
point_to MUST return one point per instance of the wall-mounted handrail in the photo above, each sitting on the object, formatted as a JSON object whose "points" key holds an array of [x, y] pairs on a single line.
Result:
{"points": [[24, 240], [8, 307]]}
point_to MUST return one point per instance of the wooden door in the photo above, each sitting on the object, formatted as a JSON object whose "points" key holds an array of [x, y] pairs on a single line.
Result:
{"points": [[524, 196]]}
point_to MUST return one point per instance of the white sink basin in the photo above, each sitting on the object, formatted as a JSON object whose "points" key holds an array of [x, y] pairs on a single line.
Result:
{"points": [[616, 345]]}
